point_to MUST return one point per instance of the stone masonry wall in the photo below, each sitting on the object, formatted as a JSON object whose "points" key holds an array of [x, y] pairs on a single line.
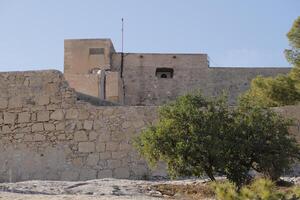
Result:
{"points": [[46, 133], [49, 132]]}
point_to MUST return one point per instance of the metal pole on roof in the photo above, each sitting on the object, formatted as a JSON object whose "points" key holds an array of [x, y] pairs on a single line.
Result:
{"points": [[122, 35]]}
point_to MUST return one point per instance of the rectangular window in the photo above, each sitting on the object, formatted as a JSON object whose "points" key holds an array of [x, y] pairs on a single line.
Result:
{"points": [[96, 51], [164, 72]]}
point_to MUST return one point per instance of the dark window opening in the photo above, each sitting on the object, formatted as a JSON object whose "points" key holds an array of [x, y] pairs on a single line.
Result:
{"points": [[164, 72], [96, 51], [164, 76]]}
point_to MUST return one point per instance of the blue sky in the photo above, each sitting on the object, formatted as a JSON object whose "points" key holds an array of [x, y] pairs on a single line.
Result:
{"points": [[231, 32]]}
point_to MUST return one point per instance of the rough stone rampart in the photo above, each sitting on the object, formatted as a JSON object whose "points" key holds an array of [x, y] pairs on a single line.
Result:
{"points": [[46, 133]]}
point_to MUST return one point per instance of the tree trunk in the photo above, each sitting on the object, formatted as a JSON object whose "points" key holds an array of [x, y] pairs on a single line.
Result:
{"points": [[209, 173]]}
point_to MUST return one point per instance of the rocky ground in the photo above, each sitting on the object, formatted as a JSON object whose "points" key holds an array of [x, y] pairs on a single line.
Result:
{"points": [[112, 189]]}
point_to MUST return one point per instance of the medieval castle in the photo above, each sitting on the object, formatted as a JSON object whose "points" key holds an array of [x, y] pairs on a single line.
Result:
{"points": [[93, 67], [54, 126]]}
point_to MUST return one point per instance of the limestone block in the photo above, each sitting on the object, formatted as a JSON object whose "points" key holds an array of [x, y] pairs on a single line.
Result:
{"points": [[83, 114], [23, 117], [138, 124], [86, 147], [18, 135], [88, 125], [42, 100], [15, 102], [60, 126], [3, 103], [112, 146], [100, 147], [39, 137], [9, 118], [106, 173], [87, 174], [61, 137], [57, 115], [49, 127], [71, 114], [33, 116], [70, 125], [28, 138], [25, 129], [78, 162], [121, 173], [104, 137], [80, 136], [1, 118], [79, 125], [119, 154], [37, 127], [70, 175], [92, 159], [125, 146], [93, 135], [112, 164], [6, 129], [126, 124], [105, 155], [43, 116], [52, 107]]}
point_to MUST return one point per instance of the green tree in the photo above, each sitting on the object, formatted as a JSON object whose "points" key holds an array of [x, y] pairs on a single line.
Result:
{"points": [[197, 135], [263, 143], [189, 136], [282, 89]]}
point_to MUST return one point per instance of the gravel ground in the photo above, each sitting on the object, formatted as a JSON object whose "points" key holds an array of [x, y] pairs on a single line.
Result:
{"points": [[112, 189]]}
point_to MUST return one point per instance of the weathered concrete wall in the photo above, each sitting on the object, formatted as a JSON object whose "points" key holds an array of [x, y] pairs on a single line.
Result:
{"points": [[46, 133]]}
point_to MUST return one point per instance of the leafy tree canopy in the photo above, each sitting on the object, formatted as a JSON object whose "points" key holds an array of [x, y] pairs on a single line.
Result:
{"points": [[282, 89]]}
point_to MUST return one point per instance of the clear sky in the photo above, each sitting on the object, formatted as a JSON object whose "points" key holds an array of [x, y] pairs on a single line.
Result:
{"points": [[231, 32]]}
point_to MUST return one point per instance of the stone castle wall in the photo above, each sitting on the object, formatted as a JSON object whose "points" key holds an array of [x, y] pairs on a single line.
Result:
{"points": [[46, 133], [191, 72]]}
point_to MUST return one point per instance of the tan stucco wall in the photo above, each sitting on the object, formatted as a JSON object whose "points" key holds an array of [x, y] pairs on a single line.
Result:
{"points": [[77, 59], [85, 83]]}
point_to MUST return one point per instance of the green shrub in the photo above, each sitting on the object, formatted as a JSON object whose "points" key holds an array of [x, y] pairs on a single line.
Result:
{"points": [[260, 189], [198, 136]]}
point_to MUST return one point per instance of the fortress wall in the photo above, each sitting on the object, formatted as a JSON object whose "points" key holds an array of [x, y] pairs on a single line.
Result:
{"points": [[46, 133], [191, 72], [236, 80], [142, 87]]}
